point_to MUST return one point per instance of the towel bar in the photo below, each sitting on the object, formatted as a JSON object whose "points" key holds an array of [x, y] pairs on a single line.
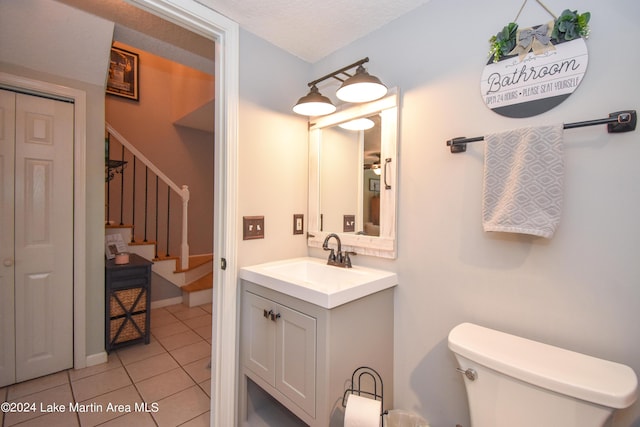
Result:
{"points": [[621, 121]]}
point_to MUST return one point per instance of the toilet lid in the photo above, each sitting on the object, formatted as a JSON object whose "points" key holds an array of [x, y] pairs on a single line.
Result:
{"points": [[573, 374]]}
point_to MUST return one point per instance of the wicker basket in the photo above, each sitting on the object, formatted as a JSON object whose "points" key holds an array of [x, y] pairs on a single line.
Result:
{"points": [[129, 331], [127, 298]]}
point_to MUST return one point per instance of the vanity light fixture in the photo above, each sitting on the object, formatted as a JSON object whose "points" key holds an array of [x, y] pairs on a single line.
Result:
{"points": [[359, 87], [358, 124], [314, 104]]}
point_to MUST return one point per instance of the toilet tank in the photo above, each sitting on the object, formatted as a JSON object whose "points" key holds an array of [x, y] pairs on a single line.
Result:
{"points": [[524, 383]]}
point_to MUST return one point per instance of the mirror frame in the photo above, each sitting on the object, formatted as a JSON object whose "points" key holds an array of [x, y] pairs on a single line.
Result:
{"points": [[383, 245]]}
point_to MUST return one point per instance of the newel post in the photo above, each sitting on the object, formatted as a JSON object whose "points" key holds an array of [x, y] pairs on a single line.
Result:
{"points": [[184, 247]]}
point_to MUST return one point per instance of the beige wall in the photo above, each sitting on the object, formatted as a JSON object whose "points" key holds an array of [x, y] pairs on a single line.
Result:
{"points": [[272, 150], [339, 188], [168, 91]]}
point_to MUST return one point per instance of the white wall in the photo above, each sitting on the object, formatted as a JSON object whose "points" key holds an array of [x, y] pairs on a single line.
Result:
{"points": [[579, 290]]}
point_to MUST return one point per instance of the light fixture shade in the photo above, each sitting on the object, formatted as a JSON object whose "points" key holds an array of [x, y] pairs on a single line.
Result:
{"points": [[314, 104], [358, 124], [361, 87]]}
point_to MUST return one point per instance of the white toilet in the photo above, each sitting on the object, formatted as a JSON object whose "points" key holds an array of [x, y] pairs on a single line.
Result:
{"points": [[513, 381]]}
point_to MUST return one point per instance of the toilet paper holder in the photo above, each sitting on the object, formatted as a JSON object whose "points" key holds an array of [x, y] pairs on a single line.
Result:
{"points": [[356, 386]]}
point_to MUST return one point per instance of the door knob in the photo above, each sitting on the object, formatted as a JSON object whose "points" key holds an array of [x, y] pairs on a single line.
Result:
{"points": [[8, 262]]}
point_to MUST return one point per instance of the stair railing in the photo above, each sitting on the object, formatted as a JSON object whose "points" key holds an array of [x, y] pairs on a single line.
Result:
{"points": [[182, 192]]}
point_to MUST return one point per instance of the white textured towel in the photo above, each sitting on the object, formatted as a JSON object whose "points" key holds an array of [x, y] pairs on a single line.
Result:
{"points": [[523, 181]]}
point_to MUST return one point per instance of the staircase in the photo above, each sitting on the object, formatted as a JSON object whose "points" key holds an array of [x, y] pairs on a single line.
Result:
{"points": [[195, 282], [147, 211]]}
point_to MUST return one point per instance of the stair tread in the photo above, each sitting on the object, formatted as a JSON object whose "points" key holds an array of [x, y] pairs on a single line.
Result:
{"points": [[140, 242], [198, 260], [195, 261], [205, 282]]}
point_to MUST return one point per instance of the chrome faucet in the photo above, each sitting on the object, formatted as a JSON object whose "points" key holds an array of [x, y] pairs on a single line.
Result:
{"points": [[339, 259]]}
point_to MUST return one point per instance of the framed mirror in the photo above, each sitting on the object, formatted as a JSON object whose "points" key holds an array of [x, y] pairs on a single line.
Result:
{"points": [[353, 175]]}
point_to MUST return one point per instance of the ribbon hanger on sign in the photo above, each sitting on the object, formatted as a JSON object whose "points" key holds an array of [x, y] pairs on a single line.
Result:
{"points": [[541, 4], [537, 39]]}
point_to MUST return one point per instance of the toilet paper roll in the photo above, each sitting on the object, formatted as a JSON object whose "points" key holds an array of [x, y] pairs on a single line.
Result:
{"points": [[362, 412]]}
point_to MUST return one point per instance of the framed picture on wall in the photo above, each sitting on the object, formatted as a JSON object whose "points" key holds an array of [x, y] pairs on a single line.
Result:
{"points": [[374, 184], [123, 74]]}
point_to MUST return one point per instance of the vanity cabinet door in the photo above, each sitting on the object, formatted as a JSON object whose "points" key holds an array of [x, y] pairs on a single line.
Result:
{"points": [[280, 347], [296, 357], [259, 336]]}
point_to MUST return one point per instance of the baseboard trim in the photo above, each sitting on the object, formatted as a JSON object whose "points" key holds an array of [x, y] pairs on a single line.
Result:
{"points": [[96, 359], [166, 302]]}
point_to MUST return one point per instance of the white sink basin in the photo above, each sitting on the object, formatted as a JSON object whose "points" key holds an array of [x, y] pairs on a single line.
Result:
{"points": [[312, 280]]}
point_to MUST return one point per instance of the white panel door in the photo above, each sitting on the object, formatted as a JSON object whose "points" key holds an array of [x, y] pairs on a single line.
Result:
{"points": [[42, 261], [7, 325]]}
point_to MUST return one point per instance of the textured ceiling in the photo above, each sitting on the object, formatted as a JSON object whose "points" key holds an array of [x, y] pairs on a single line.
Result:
{"points": [[128, 16], [308, 29], [142, 30], [312, 29]]}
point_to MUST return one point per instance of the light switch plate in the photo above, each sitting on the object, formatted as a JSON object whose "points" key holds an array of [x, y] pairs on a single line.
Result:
{"points": [[252, 227], [349, 223], [298, 223]]}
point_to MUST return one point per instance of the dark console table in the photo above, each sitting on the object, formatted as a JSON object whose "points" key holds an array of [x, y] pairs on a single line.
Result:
{"points": [[127, 302]]}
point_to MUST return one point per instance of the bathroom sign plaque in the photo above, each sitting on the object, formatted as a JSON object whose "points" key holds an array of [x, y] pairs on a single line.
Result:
{"points": [[526, 87]]}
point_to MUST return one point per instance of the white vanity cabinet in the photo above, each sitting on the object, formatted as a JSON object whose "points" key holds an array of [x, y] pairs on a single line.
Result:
{"points": [[302, 355], [280, 348]]}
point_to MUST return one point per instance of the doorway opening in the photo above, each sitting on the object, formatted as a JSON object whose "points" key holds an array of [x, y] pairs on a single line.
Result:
{"points": [[225, 33]]}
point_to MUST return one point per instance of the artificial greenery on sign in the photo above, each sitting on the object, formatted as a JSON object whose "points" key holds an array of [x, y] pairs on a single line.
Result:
{"points": [[571, 25], [503, 42], [568, 26]]}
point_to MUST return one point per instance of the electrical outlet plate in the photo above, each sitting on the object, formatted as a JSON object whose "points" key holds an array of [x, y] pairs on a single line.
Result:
{"points": [[298, 223], [252, 227]]}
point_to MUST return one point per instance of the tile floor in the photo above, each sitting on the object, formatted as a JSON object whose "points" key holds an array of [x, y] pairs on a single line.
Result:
{"points": [[170, 375]]}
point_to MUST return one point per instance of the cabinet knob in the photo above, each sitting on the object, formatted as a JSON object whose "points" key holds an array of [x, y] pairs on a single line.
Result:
{"points": [[7, 262], [270, 315]]}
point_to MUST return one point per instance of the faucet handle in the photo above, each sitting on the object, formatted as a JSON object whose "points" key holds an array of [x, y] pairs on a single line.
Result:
{"points": [[347, 258], [332, 254]]}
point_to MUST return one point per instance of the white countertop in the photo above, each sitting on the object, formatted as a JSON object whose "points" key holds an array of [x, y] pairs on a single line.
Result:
{"points": [[312, 280]]}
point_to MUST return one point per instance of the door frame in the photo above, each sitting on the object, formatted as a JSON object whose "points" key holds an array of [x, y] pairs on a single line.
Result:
{"points": [[224, 32], [79, 99]]}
